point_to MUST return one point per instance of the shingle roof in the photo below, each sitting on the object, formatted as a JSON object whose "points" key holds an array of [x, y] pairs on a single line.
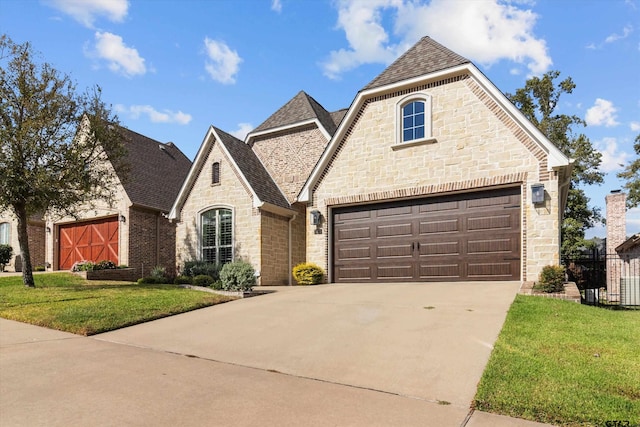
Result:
{"points": [[253, 170], [425, 57], [300, 108], [337, 116], [156, 171]]}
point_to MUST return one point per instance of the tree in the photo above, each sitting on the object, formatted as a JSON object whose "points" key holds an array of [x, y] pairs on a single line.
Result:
{"points": [[631, 174], [538, 101], [54, 143]]}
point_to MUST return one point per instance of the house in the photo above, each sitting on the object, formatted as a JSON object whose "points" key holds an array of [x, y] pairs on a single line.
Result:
{"points": [[430, 175], [36, 235], [134, 231], [623, 262]]}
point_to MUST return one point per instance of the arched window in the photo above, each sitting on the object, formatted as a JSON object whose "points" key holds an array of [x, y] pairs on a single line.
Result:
{"points": [[414, 118], [5, 233], [215, 173], [217, 235]]}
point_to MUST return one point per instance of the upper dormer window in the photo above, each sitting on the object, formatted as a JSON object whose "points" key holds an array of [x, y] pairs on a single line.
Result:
{"points": [[413, 119], [215, 173]]}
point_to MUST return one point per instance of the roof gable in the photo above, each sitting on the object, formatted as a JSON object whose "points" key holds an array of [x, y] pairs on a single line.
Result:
{"points": [[301, 108], [425, 57], [156, 171]]}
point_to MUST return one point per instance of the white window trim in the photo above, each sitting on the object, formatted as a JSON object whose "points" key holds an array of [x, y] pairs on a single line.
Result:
{"points": [[428, 128], [233, 229]]}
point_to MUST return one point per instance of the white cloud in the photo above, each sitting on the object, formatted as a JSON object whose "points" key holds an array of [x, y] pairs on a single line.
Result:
{"points": [[120, 58], [86, 11], [164, 116], [485, 31], [615, 37], [223, 62], [276, 5], [242, 131], [612, 158], [602, 113], [635, 126]]}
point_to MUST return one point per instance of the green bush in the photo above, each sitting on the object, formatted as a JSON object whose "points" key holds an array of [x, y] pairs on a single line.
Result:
{"points": [[6, 252], [551, 279], [202, 280], [83, 266], [308, 274], [237, 276], [196, 268], [39, 268], [104, 265], [183, 280]]}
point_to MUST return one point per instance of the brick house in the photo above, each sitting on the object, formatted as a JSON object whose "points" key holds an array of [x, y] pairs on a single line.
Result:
{"points": [[134, 231], [430, 175]]}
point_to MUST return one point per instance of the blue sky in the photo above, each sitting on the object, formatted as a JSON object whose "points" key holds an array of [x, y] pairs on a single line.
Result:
{"points": [[170, 69]]}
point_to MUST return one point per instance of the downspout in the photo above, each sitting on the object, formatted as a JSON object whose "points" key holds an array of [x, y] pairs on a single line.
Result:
{"points": [[291, 249], [158, 238]]}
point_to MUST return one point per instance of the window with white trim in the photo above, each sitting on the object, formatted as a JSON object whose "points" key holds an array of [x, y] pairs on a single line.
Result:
{"points": [[414, 119], [217, 235], [5, 233]]}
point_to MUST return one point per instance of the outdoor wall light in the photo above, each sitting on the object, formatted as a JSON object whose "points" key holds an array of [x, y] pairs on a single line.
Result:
{"points": [[537, 193], [314, 217], [48, 229], [122, 219]]}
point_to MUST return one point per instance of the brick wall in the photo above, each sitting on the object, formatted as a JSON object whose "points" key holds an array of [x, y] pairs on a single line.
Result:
{"points": [[290, 156], [152, 241], [274, 234], [616, 235], [476, 146]]}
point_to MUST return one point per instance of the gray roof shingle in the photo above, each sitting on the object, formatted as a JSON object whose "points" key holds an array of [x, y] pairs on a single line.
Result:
{"points": [[156, 171], [253, 170], [425, 57], [300, 108]]}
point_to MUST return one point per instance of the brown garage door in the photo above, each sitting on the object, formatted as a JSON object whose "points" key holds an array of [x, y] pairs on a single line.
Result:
{"points": [[88, 241], [459, 237]]}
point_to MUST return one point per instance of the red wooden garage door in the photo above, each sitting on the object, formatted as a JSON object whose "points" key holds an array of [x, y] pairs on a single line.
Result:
{"points": [[88, 241], [473, 236]]}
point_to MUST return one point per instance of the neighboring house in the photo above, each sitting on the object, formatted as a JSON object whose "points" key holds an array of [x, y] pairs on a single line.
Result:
{"points": [[134, 231], [623, 262], [9, 236], [430, 175]]}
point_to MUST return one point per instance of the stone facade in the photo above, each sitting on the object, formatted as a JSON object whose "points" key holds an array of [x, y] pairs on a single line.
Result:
{"points": [[474, 147], [616, 235]]}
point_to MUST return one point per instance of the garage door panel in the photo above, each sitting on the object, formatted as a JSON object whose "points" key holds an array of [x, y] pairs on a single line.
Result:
{"points": [[354, 273], [473, 236], [88, 241], [394, 230], [439, 226], [360, 253]]}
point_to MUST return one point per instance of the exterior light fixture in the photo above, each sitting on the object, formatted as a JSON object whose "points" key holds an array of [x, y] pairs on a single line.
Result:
{"points": [[48, 229], [537, 193], [122, 218], [314, 217]]}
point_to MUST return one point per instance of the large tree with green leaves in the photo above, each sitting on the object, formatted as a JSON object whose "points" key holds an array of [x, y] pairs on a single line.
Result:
{"points": [[631, 175], [53, 143], [538, 101]]}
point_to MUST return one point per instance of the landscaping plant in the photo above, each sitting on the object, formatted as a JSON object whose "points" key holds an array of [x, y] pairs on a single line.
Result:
{"points": [[6, 252], [237, 276], [551, 279], [308, 274]]}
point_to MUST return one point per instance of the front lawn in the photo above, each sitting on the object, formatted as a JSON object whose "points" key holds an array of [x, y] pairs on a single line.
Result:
{"points": [[565, 364], [69, 303]]}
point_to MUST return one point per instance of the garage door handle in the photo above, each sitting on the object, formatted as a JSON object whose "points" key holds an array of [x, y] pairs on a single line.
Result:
{"points": [[413, 245]]}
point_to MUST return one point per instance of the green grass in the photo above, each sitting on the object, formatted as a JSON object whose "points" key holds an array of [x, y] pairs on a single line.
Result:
{"points": [[565, 364], [69, 303]]}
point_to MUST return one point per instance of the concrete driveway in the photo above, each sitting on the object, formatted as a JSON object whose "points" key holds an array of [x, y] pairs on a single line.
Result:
{"points": [[402, 354]]}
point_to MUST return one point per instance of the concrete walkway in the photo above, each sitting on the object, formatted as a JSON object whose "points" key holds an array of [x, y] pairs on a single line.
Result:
{"points": [[387, 355]]}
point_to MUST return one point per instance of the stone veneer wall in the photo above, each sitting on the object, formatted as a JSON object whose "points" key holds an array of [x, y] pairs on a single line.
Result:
{"points": [[230, 193], [477, 147]]}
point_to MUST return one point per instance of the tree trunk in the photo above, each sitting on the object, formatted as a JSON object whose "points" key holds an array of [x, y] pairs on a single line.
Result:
{"points": [[23, 240]]}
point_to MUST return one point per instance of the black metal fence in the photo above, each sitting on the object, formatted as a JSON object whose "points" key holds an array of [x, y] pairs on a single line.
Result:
{"points": [[606, 278]]}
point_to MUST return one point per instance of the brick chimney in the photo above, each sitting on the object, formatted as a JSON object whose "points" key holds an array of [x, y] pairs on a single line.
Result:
{"points": [[616, 219]]}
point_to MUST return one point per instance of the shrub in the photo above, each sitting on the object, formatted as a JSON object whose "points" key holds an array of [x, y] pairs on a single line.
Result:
{"points": [[83, 266], [158, 272], [6, 252], [238, 276], [196, 268], [202, 280], [39, 268], [308, 274], [104, 265], [183, 280], [551, 279]]}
